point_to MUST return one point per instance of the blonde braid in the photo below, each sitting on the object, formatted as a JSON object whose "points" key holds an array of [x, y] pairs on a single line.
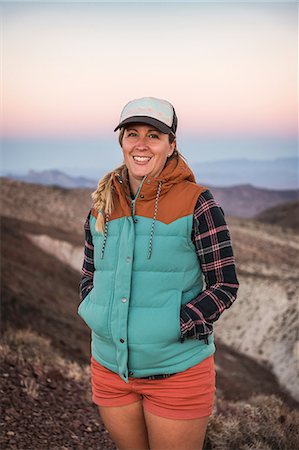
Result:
{"points": [[102, 197]]}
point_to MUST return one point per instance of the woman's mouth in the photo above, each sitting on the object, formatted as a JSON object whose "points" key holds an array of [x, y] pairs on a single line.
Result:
{"points": [[142, 160]]}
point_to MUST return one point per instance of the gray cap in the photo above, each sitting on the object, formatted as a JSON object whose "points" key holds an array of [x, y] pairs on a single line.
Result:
{"points": [[152, 111]]}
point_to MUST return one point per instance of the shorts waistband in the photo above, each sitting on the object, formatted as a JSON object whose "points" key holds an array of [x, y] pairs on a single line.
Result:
{"points": [[157, 377]]}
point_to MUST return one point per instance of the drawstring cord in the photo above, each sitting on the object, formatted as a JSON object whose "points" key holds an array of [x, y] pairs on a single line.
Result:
{"points": [[105, 234], [150, 248]]}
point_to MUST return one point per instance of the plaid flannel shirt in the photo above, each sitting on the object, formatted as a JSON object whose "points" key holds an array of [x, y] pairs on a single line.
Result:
{"points": [[211, 238]]}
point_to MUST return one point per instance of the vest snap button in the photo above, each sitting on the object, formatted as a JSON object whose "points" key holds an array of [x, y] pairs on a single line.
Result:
{"points": [[124, 299], [141, 196], [148, 181], [122, 340], [128, 259]]}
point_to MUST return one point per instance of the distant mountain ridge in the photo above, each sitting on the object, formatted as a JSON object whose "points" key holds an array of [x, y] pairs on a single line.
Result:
{"points": [[280, 173], [55, 177], [277, 174]]}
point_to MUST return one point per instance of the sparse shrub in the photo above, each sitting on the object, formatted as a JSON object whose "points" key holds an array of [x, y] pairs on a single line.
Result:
{"points": [[262, 423], [30, 387], [257, 446], [27, 346]]}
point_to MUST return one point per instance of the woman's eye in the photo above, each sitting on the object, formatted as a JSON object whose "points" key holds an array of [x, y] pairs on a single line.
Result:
{"points": [[153, 135], [131, 134]]}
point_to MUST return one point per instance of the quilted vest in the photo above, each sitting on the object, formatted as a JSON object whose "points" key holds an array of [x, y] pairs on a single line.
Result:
{"points": [[146, 267]]}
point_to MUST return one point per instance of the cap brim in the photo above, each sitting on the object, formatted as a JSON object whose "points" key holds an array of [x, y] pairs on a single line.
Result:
{"points": [[148, 120]]}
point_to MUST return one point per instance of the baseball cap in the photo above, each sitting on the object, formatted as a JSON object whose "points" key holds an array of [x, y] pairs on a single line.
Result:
{"points": [[152, 111]]}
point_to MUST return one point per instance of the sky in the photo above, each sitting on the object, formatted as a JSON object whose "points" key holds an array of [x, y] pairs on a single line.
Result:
{"points": [[68, 68]]}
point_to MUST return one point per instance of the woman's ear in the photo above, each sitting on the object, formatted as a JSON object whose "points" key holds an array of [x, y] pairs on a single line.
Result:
{"points": [[172, 147]]}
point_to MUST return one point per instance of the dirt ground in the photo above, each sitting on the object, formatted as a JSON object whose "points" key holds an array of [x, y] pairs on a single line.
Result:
{"points": [[45, 410]]}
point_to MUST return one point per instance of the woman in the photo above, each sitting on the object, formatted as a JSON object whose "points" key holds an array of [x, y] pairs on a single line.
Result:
{"points": [[152, 237]]}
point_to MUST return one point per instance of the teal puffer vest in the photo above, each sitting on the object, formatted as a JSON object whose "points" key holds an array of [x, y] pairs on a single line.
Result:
{"points": [[133, 308]]}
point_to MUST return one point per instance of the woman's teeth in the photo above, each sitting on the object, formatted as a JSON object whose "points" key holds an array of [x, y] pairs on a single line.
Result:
{"points": [[141, 158]]}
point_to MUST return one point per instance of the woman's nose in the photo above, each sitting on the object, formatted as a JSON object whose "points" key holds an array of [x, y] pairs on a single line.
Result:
{"points": [[141, 142]]}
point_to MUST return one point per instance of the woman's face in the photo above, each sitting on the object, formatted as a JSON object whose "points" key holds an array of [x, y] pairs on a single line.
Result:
{"points": [[145, 151]]}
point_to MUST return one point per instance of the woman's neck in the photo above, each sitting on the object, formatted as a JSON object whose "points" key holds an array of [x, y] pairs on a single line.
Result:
{"points": [[134, 184]]}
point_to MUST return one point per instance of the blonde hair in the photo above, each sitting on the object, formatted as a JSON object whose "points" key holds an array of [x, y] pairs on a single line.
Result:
{"points": [[102, 197]]}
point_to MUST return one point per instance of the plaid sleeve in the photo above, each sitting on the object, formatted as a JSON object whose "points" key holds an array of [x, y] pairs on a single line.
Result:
{"points": [[86, 283], [211, 238]]}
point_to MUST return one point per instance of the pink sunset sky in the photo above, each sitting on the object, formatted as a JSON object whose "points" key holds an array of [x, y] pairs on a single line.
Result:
{"points": [[229, 69], [69, 68]]}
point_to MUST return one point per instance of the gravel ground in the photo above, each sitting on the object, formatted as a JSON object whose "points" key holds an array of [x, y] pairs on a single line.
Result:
{"points": [[45, 410]]}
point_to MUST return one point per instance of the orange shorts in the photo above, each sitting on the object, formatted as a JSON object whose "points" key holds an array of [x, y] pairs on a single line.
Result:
{"points": [[184, 395]]}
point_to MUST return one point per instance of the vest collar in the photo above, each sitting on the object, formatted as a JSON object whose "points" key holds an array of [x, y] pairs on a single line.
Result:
{"points": [[174, 172]]}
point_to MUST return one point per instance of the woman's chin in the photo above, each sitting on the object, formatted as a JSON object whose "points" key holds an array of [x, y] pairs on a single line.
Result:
{"points": [[140, 173]]}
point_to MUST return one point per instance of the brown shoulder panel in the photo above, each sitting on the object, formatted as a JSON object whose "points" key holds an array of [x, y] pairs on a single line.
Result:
{"points": [[179, 201]]}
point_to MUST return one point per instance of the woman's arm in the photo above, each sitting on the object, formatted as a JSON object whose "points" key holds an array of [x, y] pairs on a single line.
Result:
{"points": [[86, 283], [211, 238]]}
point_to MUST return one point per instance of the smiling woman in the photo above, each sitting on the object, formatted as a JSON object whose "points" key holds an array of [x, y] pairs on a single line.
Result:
{"points": [[145, 152], [151, 238]]}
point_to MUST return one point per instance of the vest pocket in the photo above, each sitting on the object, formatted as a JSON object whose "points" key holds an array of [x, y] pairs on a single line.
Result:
{"points": [[157, 323], [94, 315]]}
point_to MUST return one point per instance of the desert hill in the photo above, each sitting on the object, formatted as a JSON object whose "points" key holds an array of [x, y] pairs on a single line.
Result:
{"points": [[263, 322], [61, 208], [38, 291], [285, 215], [266, 257], [42, 251], [242, 200], [247, 201]]}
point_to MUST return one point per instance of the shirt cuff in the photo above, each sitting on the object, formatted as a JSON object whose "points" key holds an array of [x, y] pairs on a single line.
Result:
{"points": [[187, 325]]}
